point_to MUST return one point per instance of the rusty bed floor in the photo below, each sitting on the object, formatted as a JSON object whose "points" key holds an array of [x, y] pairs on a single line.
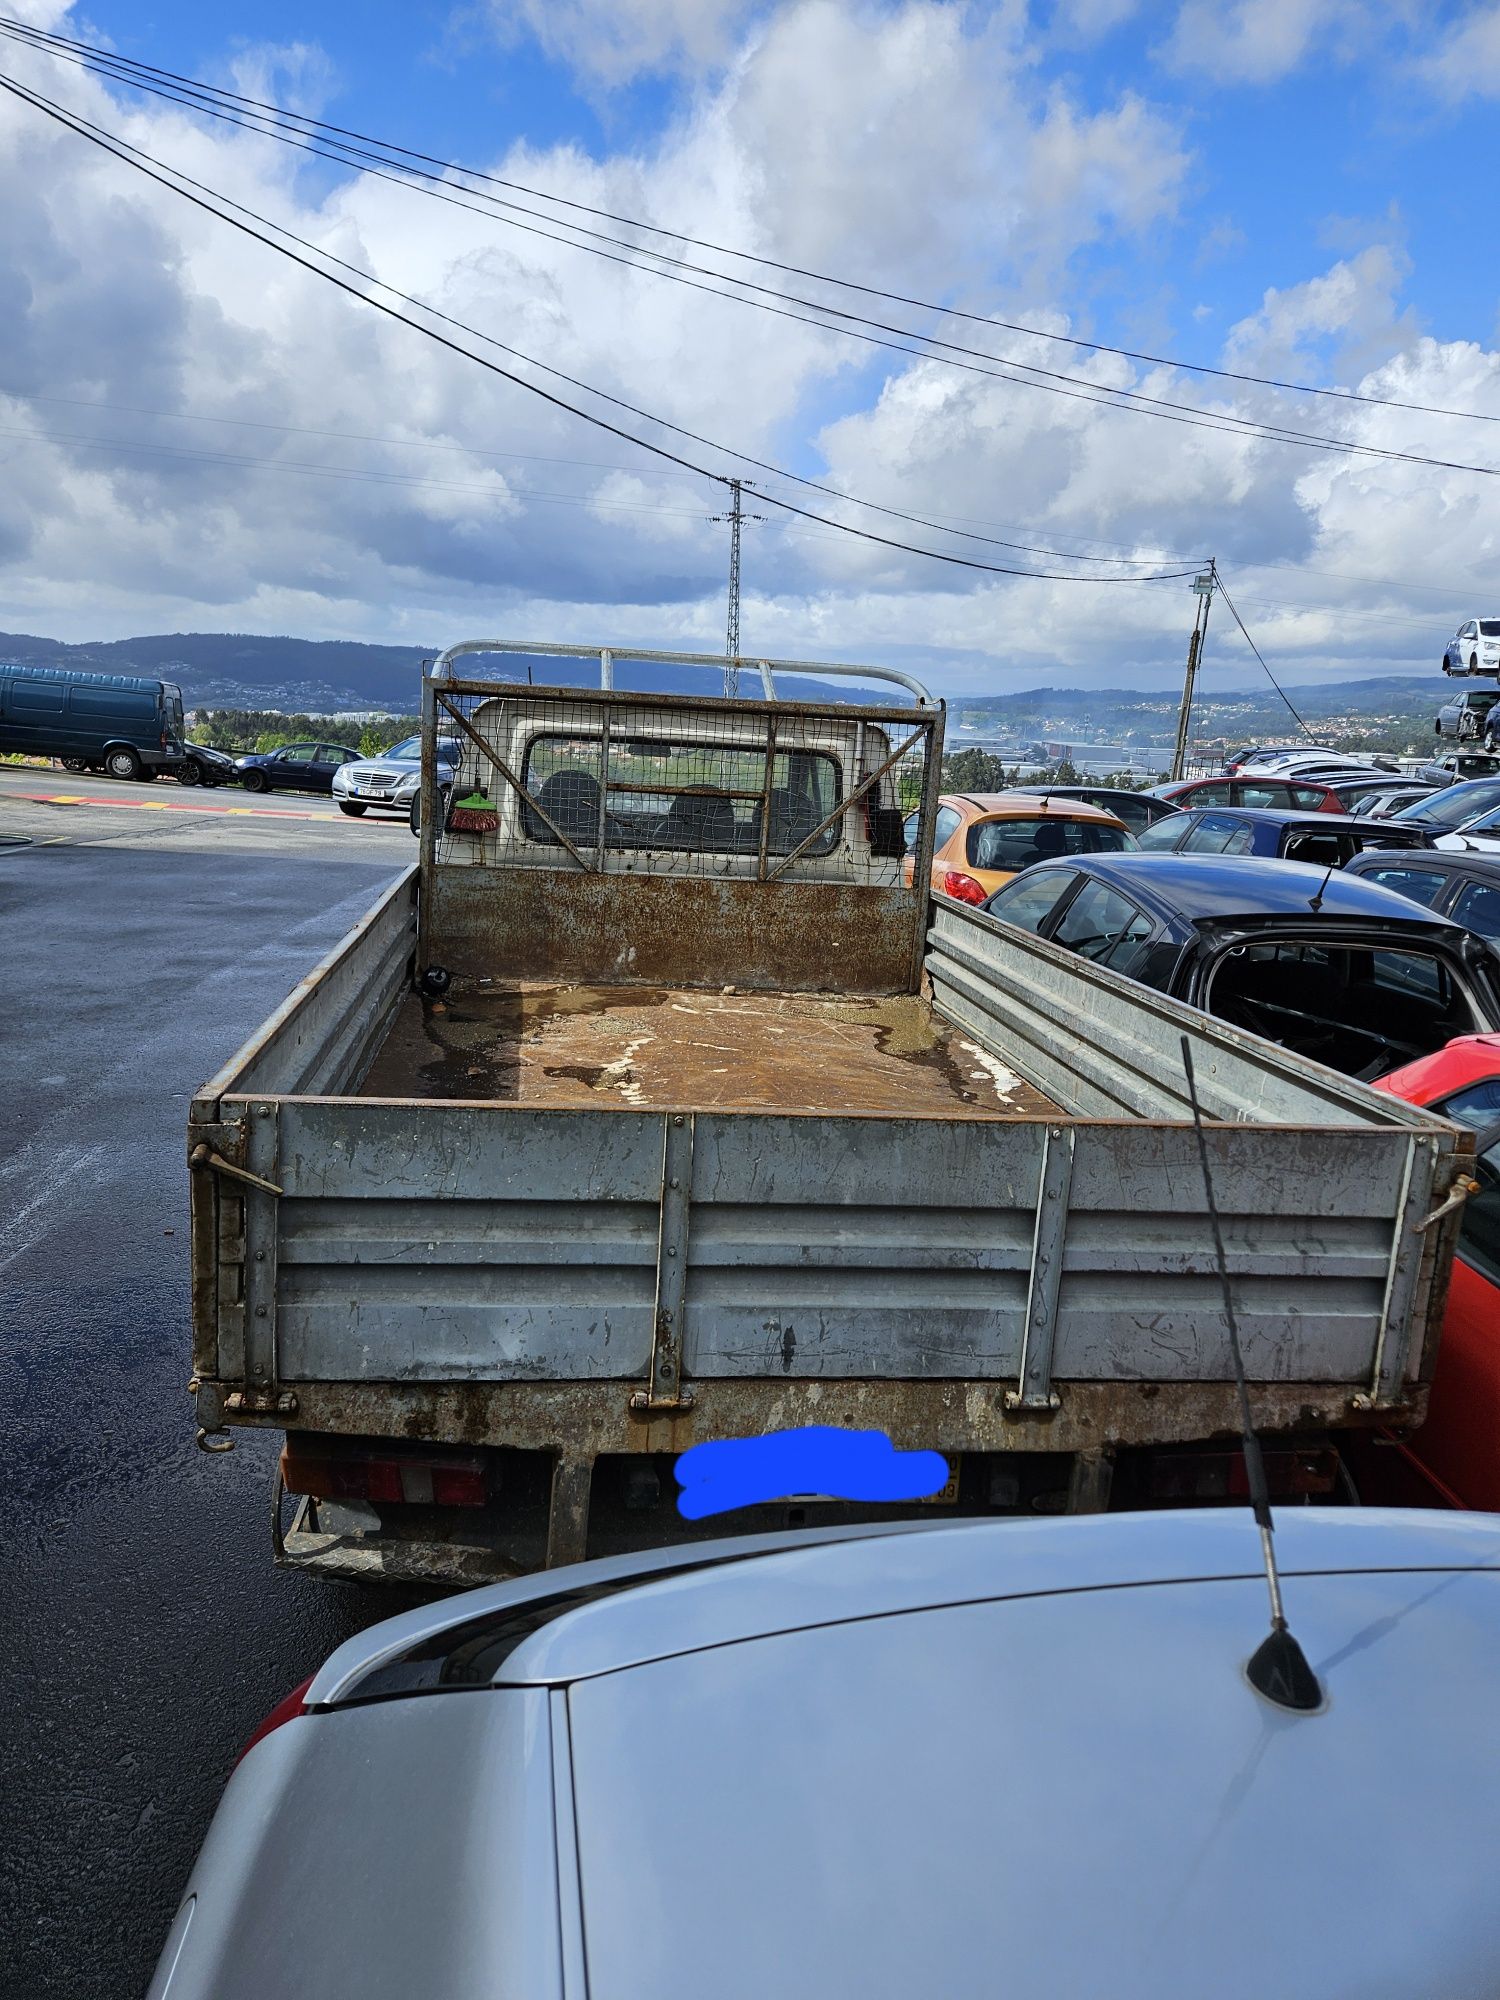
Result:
{"points": [[657, 1048]]}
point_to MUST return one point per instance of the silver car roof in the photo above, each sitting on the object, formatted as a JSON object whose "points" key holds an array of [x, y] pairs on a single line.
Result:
{"points": [[1009, 1757]]}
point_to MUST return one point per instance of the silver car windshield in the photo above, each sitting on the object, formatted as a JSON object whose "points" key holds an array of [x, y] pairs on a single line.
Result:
{"points": [[409, 751]]}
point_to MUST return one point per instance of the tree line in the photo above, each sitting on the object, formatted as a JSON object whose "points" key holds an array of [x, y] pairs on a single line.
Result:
{"points": [[260, 729]]}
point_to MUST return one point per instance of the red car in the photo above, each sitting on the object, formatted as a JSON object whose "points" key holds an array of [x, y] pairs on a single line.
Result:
{"points": [[1286, 794], [1456, 1453]]}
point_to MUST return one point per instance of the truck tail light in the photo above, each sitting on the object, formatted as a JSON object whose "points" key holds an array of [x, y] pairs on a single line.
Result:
{"points": [[428, 1478], [1220, 1475], [963, 888], [286, 1710]]}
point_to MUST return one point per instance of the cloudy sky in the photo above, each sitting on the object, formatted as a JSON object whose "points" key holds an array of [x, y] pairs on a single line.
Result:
{"points": [[196, 434]]}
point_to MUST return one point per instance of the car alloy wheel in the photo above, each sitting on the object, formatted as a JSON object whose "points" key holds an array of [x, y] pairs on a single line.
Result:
{"points": [[255, 781], [187, 773]]}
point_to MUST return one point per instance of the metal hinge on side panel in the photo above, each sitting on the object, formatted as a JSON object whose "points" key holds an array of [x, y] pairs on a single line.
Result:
{"points": [[1393, 1338], [1035, 1395], [664, 1390]]}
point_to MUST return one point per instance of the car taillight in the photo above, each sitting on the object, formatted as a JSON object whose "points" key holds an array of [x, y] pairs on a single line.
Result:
{"points": [[286, 1710], [963, 888], [430, 1479]]}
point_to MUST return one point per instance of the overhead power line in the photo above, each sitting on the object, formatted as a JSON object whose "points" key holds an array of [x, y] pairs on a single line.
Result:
{"points": [[128, 70], [206, 198], [289, 128], [1219, 579]]}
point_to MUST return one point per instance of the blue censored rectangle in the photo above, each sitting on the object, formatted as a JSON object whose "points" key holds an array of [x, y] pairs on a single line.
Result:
{"points": [[724, 1473]]}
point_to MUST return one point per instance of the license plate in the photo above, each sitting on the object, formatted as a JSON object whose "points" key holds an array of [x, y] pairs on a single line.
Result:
{"points": [[946, 1496]]}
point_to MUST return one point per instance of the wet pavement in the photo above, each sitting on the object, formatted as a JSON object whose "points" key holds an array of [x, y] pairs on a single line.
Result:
{"points": [[143, 1628]]}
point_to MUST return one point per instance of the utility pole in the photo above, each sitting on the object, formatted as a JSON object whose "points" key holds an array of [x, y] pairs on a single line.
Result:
{"points": [[734, 517], [1204, 585]]}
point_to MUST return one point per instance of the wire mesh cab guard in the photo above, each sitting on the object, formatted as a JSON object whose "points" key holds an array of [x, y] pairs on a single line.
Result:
{"points": [[600, 835]]}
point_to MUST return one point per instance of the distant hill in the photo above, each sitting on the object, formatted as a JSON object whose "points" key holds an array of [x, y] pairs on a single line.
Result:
{"points": [[1403, 704], [326, 676]]}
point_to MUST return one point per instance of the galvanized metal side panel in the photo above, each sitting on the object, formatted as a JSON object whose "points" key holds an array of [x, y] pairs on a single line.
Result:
{"points": [[490, 1242], [324, 1034], [671, 930], [1106, 1047]]}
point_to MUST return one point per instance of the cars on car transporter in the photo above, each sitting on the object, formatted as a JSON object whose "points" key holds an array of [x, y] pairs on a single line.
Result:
{"points": [[1338, 969], [1474, 648], [881, 1762], [1470, 717]]}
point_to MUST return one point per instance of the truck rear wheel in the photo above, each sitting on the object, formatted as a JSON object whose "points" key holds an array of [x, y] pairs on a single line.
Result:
{"points": [[123, 763]]}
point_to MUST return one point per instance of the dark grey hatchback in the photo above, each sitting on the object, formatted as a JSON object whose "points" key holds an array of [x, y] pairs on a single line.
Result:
{"points": [[295, 767], [1337, 969]]}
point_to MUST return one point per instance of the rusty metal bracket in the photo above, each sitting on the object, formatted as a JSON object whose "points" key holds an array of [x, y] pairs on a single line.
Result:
{"points": [[203, 1157], [1035, 1394], [664, 1390], [1458, 1194], [261, 1403]]}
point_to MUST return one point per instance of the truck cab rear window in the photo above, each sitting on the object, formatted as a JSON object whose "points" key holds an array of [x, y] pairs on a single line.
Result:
{"points": [[703, 798]]}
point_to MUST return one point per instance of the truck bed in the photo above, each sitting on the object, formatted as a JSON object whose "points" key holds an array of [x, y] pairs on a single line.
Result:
{"points": [[659, 1048]]}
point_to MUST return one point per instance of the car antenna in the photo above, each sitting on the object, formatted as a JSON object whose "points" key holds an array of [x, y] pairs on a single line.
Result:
{"points": [[1316, 902], [1278, 1668]]}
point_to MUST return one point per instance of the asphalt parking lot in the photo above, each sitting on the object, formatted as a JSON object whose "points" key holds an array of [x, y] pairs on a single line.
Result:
{"points": [[146, 1630]]}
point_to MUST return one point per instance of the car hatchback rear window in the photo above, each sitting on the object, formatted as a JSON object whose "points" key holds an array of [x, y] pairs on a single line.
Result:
{"points": [[1016, 843]]}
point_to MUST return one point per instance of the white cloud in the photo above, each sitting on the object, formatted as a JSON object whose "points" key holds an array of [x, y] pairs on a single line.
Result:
{"points": [[613, 41], [1466, 59], [477, 507], [1259, 41]]}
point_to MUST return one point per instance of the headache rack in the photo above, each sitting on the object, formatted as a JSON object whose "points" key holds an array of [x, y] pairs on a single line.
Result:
{"points": [[605, 833]]}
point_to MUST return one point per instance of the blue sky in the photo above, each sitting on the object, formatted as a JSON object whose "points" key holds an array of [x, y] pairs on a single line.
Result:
{"points": [[1294, 188]]}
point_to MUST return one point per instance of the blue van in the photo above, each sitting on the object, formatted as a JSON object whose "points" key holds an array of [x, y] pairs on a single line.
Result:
{"points": [[120, 723]]}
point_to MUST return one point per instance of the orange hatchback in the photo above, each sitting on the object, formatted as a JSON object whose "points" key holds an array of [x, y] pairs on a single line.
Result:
{"points": [[983, 838]]}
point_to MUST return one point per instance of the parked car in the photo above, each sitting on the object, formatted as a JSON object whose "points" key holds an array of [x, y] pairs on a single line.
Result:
{"points": [[1134, 810], [1458, 765], [477, 1790], [1474, 648], [1456, 1447], [1381, 801], [1453, 807], [1463, 886], [981, 839], [202, 765], [391, 782], [1327, 840], [1314, 759], [1337, 969], [1475, 836], [1250, 789], [128, 725], [1468, 716], [296, 767]]}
